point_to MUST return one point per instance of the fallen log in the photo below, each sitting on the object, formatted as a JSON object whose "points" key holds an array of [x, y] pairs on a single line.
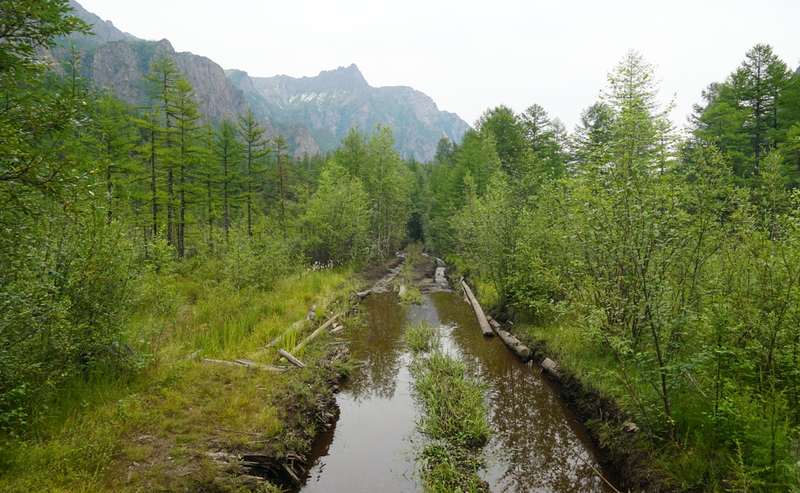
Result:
{"points": [[363, 294], [476, 307], [244, 362], [315, 334], [550, 366], [219, 362], [512, 342], [292, 359], [310, 317]]}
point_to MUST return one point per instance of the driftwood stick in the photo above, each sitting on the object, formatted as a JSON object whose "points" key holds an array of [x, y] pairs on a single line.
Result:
{"points": [[291, 358], [291, 473], [596, 472], [219, 362], [476, 307], [245, 362], [315, 334], [363, 294], [310, 317]]}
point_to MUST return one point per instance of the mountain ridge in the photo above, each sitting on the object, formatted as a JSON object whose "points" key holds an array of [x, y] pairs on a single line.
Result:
{"points": [[335, 100], [313, 113]]}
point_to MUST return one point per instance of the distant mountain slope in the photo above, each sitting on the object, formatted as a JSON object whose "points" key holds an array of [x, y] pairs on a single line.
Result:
{"points": [[331, 103], [104, 31], [115, 60], [312, 113]]}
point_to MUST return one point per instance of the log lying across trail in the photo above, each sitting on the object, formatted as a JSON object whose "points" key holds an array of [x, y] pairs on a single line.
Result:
{"points": [[512, 342], [476, 307], [315, 334]]}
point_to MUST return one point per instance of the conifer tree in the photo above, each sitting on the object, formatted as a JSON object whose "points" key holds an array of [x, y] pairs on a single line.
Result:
{"points": [[228, 152], [111, 137], [161, 84], [254, 149], [187, 133], [282, 176]]}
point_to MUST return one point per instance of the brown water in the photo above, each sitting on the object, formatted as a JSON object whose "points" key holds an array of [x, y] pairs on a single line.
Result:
{"points": [[536, 443]]}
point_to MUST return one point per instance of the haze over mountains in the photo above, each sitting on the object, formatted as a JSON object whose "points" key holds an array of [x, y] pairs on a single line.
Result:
{"points": [[312, 113]]}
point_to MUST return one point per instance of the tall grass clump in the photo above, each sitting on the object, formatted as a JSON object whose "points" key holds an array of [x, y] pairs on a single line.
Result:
{"points": [[421, 336], [454, 407]]}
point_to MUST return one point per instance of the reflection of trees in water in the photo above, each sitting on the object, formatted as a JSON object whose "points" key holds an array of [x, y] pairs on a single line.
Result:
{"points": [[379, 346], [525, 415]]}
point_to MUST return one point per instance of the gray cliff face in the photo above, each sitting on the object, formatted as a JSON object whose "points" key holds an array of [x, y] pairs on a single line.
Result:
{"points": [[104, 31], [220, 98], [331, 103], [120, 67], [115, 66]]}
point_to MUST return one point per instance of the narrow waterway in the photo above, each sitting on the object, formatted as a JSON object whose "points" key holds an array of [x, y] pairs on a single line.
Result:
{"points": [[537, 444]]}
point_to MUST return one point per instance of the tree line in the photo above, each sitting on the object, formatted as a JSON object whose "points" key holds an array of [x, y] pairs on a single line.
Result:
{"points": [[672, 258]]}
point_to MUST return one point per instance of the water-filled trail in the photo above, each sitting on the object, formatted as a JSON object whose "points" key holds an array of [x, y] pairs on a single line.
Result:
{"points": [[537, 444]]}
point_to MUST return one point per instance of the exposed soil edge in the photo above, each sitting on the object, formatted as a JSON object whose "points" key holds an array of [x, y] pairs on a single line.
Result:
{"points": [[278, 467]]}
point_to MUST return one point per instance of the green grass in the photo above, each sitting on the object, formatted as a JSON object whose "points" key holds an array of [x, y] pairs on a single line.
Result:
{"points": [[421, 337], [411, 296], [446, 469], [454, 416], [175, 410], [453, 404]]}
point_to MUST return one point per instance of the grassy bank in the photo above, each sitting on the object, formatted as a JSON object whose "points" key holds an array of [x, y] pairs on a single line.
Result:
{"points": [[604, 396], [154, 429], [454, 415]]}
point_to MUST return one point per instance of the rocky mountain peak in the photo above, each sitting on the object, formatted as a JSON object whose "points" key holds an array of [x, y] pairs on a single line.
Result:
{"points": [[104, 31], [348, 79]]}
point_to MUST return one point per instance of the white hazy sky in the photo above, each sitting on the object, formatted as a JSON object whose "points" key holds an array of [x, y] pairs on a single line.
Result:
{"points": [[470, 55]]}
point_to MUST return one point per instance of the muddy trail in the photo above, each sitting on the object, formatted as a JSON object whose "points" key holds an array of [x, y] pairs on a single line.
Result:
{"points": [[537, 443]]}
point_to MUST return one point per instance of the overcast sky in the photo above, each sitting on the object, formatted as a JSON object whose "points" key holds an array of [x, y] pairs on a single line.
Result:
{"points": [[470, 55]]}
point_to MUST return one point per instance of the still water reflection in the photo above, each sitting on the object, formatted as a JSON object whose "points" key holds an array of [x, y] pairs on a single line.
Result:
{"points": [[536, 443]]}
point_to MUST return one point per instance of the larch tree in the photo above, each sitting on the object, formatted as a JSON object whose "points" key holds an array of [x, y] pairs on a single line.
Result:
{"points": [[229, 153], [161, 82], [282, 177], [254, 150]]}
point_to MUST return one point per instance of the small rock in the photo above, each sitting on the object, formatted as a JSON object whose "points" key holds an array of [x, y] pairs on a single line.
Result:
{"points": [[631, 427]]}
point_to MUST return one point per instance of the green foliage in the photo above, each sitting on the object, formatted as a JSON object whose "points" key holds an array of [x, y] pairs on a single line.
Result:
{"points": [[387, 182], [336, 223], [65, 294]]}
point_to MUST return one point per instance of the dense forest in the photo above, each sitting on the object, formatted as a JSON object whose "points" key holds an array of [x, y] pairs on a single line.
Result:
{"points": [[663, 263]]}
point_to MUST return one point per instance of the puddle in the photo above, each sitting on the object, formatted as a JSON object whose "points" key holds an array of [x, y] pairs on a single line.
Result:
{"points": [[536, 443]]}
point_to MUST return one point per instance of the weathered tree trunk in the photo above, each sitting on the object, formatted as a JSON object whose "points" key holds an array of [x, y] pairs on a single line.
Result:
{"points": [[315, 334], [292, 359], [512, 342], [476, 307]]}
